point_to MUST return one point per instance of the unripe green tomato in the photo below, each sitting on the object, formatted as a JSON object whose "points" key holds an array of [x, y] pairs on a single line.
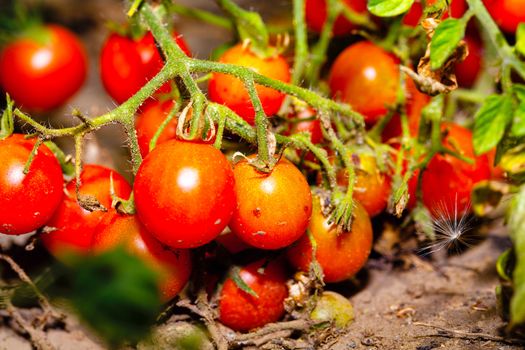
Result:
{"points": [[333, 307]]}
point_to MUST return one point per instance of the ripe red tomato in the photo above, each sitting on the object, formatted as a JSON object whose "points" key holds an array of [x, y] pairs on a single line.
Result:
{"points": [[75, 226], [413, 16], [342, 255], [273, 209], [148, 122], [415, 102], [27, 201], [305, 121], [366, 77], [468, 70], [448, 181], [127, 64], [507, 13], [184, 193], [316, 15], [371, 187], [230, 91], [242, 311], [173, 266], [43, 68]]}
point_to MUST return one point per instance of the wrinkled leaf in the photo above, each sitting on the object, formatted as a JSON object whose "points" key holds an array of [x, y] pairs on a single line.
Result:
{"points": [[520, 38], [490, 122], [446, 38], [389, 8]]}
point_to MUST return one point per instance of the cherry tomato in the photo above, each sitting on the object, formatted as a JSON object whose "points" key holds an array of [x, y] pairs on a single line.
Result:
{"points": [[413, 16], [366, 77], [371, 187], [273, 209], [305, 121], [316, 15], [468, 70], [74, 226], [415, 102], [506, 13], [43, 67], [174, 266], [27, 201], [127, 64], [184, 193], [242, 311], [230, 91], [341, 255], [448, 181], [148, 122]]}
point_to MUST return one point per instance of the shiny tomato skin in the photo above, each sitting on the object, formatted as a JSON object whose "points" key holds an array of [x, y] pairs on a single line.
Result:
{"points": [[43, 75], [149, 120], [371, 187], [468, 70], [366, 77], [413, 16], [127, 64], [506, 13], [184, 193], [27, 201], [230, 91], [447, 182], [342, 255], [273, 209], [73, 226], [242, 311], [173, 266], [315, 14]]}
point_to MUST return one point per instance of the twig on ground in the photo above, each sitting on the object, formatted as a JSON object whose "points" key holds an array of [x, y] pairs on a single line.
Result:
{"points": [[37, 336], [453, 333]]}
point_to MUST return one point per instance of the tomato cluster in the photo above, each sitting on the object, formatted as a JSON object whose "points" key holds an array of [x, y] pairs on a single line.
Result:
{"points": [[188, 194]]}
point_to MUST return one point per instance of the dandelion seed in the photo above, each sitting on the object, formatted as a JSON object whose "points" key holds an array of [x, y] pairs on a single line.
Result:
{"points": [[450, 230]]}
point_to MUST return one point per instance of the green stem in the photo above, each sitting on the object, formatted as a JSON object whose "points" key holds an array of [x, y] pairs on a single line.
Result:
{"points": [[318, 56], [163, 126], [503, 48], [321, 154], [301, 41], [201, 15], [261, 125], [362, 20], [32, 155]]}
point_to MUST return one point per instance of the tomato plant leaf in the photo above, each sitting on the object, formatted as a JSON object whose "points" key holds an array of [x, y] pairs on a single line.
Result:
{"points": [[517, 229], [68, 168], [490, 122], [502, 265], [239, 282], [446, 38], [7, 125], [389, 8], [520, 39], [518, 123]]}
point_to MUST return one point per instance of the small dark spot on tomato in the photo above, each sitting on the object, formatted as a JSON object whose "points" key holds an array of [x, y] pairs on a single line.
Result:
{"points": [[257, 212], [306, 208]]}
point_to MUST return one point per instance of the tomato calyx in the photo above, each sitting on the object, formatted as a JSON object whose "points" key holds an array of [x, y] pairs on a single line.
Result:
{"points": [[7, 124]]}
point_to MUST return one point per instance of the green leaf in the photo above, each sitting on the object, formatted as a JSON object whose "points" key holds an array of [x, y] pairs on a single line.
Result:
{"points": [[519, 91], [116, 294], [520, 38], [446, 38], [250, 26], [239, 282], [490, 122], [502, 265], [518, 123], [517, 231], [389, 8], [7, 124], [68, 168]]}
